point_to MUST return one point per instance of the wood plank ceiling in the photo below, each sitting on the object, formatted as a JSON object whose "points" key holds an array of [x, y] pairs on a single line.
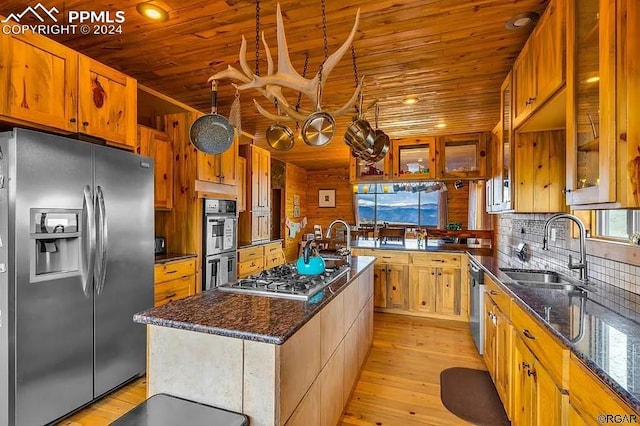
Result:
{"points": [[451, 54]]}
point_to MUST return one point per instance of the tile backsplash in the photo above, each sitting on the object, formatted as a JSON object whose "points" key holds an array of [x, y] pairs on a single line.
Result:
{"points": [[620, 281]]}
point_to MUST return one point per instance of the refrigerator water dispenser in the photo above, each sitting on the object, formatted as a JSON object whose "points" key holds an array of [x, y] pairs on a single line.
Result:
{"points": [[56, 243]]}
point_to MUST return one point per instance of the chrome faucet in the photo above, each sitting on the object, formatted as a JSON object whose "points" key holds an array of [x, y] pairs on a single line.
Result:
{"points": [[582, 265], [346, 225]]}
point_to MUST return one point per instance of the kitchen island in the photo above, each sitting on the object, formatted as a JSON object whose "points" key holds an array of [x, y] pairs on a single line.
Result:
{"points": [[279, 361]]}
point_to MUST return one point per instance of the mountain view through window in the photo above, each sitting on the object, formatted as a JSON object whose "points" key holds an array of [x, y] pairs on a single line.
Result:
{"points": [[398, 204]]}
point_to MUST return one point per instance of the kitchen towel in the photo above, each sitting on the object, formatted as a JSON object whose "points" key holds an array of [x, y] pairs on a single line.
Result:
{"points": [[228, 234]]}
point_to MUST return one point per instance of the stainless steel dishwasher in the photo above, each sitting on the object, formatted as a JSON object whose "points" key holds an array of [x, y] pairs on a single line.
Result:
{"points": [[476, 282]]}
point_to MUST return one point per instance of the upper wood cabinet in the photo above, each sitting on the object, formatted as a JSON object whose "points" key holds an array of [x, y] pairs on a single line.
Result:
{"points": [[158, 146], [38, 80], [426, 158], [221, 168], [603, 137], [539, 172], [51, 86], [413, 159], [254, 224], [364, 172], [107, 103], [462, 156], [242, 184], [539, 70]]}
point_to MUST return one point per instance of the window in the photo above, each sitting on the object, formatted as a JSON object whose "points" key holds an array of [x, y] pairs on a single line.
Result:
{"points": [[408, 204], [618, 224]]}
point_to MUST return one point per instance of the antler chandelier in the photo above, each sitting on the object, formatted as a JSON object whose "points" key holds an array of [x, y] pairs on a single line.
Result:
{"points": [[271, 85]]}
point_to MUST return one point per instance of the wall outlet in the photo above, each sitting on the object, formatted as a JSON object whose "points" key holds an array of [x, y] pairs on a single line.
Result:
{"points": [[553, 234]]}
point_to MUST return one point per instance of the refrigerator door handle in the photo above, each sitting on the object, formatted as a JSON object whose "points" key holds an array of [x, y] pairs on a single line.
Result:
{"points": [[101, 262], [88, 241]]}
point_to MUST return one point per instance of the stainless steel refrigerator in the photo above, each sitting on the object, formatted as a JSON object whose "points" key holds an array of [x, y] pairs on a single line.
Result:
{"points": [[76, 263]]}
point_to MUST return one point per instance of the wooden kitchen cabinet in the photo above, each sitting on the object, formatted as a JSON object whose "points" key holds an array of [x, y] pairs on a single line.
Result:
{"points": [[107, 103], [359, 171], [462, 156], [500, 188], [380, 285], [157, 145], [242, 184], [254, 259], [254, 224], [396, 278], [221, 168], [589, 397], [603, 145], [436, 286], [539, 70], [539, 172], [51, 86], [498, 346], [413, 159], [39, 82], [490, 337], [537, 399], [174, 280]]}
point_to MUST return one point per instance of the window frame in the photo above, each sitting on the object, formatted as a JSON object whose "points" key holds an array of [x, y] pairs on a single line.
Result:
{"points": [[603, 225]]}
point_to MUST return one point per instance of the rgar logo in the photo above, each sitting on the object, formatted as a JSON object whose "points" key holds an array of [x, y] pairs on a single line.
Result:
{"points": [[43, 11]]}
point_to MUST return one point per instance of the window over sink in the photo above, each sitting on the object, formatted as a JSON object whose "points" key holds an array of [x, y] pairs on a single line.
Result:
{"points": [[406, 204], [621, 225]]}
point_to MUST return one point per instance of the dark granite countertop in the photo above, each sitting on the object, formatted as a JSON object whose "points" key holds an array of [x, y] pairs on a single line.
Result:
{"points": [[243, 316], [411, 244], [608, 344], [172, 257], [259, 243]]}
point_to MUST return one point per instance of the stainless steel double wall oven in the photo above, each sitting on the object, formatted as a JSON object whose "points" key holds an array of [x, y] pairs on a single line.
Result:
{"points": [[219, 243]]}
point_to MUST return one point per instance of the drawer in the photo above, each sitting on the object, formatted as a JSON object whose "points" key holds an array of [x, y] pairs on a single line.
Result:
{"points": [[273, 260], [437, 260], [591, 396], [250, 253], [272, 249], [388, 256], [498, 295], [553, 356], [173, 290], [250, 267], [362, 252], [172, 270]]}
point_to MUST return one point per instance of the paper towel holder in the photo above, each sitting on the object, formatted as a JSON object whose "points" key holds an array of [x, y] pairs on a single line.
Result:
{"points": [[522, 252]]}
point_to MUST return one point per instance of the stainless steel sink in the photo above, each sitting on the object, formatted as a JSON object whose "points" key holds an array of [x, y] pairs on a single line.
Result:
{"points": [[553, 286], [536, 276], [549, 280]]}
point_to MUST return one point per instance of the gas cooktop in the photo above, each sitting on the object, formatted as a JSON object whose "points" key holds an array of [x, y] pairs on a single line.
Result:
{"points": [[285, 281]]}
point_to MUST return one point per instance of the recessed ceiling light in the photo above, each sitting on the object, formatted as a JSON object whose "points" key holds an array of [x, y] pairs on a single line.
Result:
{"points": [[522, 20], [441, 125], [410, 100], [591, 79], [152, 11]]}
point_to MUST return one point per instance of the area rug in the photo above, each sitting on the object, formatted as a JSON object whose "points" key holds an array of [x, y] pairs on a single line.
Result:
{"points": [[471, 395]]}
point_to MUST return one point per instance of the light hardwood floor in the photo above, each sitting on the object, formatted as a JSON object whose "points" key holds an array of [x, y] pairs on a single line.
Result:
{"points": [[400, 384]]}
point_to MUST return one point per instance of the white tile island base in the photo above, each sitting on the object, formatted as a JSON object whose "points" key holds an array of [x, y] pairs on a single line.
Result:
{"points": [[307, 380]]}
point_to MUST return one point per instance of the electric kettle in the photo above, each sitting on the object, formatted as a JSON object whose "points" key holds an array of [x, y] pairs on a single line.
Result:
{"points": [[310, 265]]}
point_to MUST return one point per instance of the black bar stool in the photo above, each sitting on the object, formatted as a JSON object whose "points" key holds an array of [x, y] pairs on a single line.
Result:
{"points": [[167, 410]]}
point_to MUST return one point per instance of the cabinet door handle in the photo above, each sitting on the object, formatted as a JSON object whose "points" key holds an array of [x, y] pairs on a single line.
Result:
{"points": [[85, 123], [566, 190], [169, 296], [531, 373], [440, 274], [72, 120], [494, 293], [528, 334], [172, 272], [525, 365], [393, 287], [433, 273]]}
